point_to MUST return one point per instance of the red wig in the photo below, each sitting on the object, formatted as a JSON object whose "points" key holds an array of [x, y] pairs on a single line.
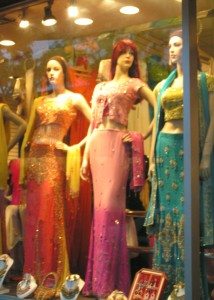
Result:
{"points": [[121, 47]]}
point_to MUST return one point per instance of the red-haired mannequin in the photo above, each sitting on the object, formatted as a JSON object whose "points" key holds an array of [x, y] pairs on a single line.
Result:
{"points": [[107, 153]]}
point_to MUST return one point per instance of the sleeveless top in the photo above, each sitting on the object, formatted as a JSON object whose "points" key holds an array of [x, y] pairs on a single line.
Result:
{"points": [[53, 119], [172, 100], [172, 103]]}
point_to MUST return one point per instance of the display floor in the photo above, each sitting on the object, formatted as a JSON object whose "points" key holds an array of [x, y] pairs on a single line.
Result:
{"points": [[11, 295]]}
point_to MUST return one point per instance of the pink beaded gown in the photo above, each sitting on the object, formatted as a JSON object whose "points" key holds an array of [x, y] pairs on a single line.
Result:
{"points": [[108, 262]]}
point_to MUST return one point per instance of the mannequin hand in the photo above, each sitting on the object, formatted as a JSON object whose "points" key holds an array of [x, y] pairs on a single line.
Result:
{"points": [[151, 170], [127, 138], [205, 167], [85, 170], [62, 146]]}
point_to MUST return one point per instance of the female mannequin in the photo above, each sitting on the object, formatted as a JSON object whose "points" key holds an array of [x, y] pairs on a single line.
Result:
{"points": [[7, 143], [46, 171], [7, 116], [165, 215], [107, 157]]}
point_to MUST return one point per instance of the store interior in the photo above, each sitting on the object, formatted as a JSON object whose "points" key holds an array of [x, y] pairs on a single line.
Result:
{"points": [[84, 47]]}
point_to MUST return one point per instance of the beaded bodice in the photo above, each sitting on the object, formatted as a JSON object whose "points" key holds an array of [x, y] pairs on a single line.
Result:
{"points": [[115, 99], [54, 116], [172, 103]]}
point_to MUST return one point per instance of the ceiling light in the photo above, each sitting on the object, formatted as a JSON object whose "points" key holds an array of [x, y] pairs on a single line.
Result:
{"points": [[73, 9], [49, 18], [129, 10], [83, 21], [24, 23], [7, 43]]}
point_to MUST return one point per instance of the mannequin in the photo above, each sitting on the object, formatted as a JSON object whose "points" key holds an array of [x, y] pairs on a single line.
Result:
{"points": [[14, 217], [107, 152], [165, 216], [49, 177], [7, 143]]}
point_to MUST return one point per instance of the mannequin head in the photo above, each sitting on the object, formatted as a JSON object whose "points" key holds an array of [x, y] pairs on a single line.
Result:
{"points": [[58, 65], [121, 47], [175, 47], [176, 37]]}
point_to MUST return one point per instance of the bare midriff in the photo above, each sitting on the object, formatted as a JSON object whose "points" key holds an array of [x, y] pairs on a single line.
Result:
{"points": [[110, 124], [173, 126]]}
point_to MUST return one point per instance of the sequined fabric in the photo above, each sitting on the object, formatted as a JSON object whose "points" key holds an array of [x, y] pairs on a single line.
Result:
{"points": [[167, 191], [169, 248], [172, 103], [45, 243], [115, 100], [108, 263]]}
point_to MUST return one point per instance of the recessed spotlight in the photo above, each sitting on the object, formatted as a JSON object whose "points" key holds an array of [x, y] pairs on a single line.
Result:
{"points": [[83, 21], [129, 10], [7, 43], [73, 11]]}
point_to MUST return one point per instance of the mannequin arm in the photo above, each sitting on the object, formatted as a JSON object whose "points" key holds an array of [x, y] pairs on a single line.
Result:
{"points": [[149, 131], [12, 117], [149, 95], [81, 104], [209, 141], [84, 171]]}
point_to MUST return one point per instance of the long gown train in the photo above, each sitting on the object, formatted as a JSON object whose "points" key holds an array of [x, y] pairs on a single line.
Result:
{"points": [[108, 262]]}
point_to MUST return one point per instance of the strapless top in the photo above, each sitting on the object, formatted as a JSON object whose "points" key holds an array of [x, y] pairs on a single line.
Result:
{"points": [[54, 117]]}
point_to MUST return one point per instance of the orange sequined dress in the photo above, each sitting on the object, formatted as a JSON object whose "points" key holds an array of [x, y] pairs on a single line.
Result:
{"points": [[45, 246]]}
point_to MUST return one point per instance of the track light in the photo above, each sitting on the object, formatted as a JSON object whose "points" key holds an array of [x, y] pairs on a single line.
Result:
{"points": [[73, 10], [7, 43], [24, 23], [49, 18]]}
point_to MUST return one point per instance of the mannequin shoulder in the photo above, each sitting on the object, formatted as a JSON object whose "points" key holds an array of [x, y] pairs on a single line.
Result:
{"points": [[75, 98], [210, 82], [158, 87]]}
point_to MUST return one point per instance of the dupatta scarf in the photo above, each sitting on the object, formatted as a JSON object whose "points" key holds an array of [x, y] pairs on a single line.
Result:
{"points": [[206, 186], [4, 136]]}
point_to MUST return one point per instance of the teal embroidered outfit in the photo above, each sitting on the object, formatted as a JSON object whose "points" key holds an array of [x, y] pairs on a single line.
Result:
{"points": [[165, 215]]}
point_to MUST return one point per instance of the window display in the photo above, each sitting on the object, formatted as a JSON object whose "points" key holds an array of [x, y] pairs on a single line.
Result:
{"points": [[83, 33]]}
